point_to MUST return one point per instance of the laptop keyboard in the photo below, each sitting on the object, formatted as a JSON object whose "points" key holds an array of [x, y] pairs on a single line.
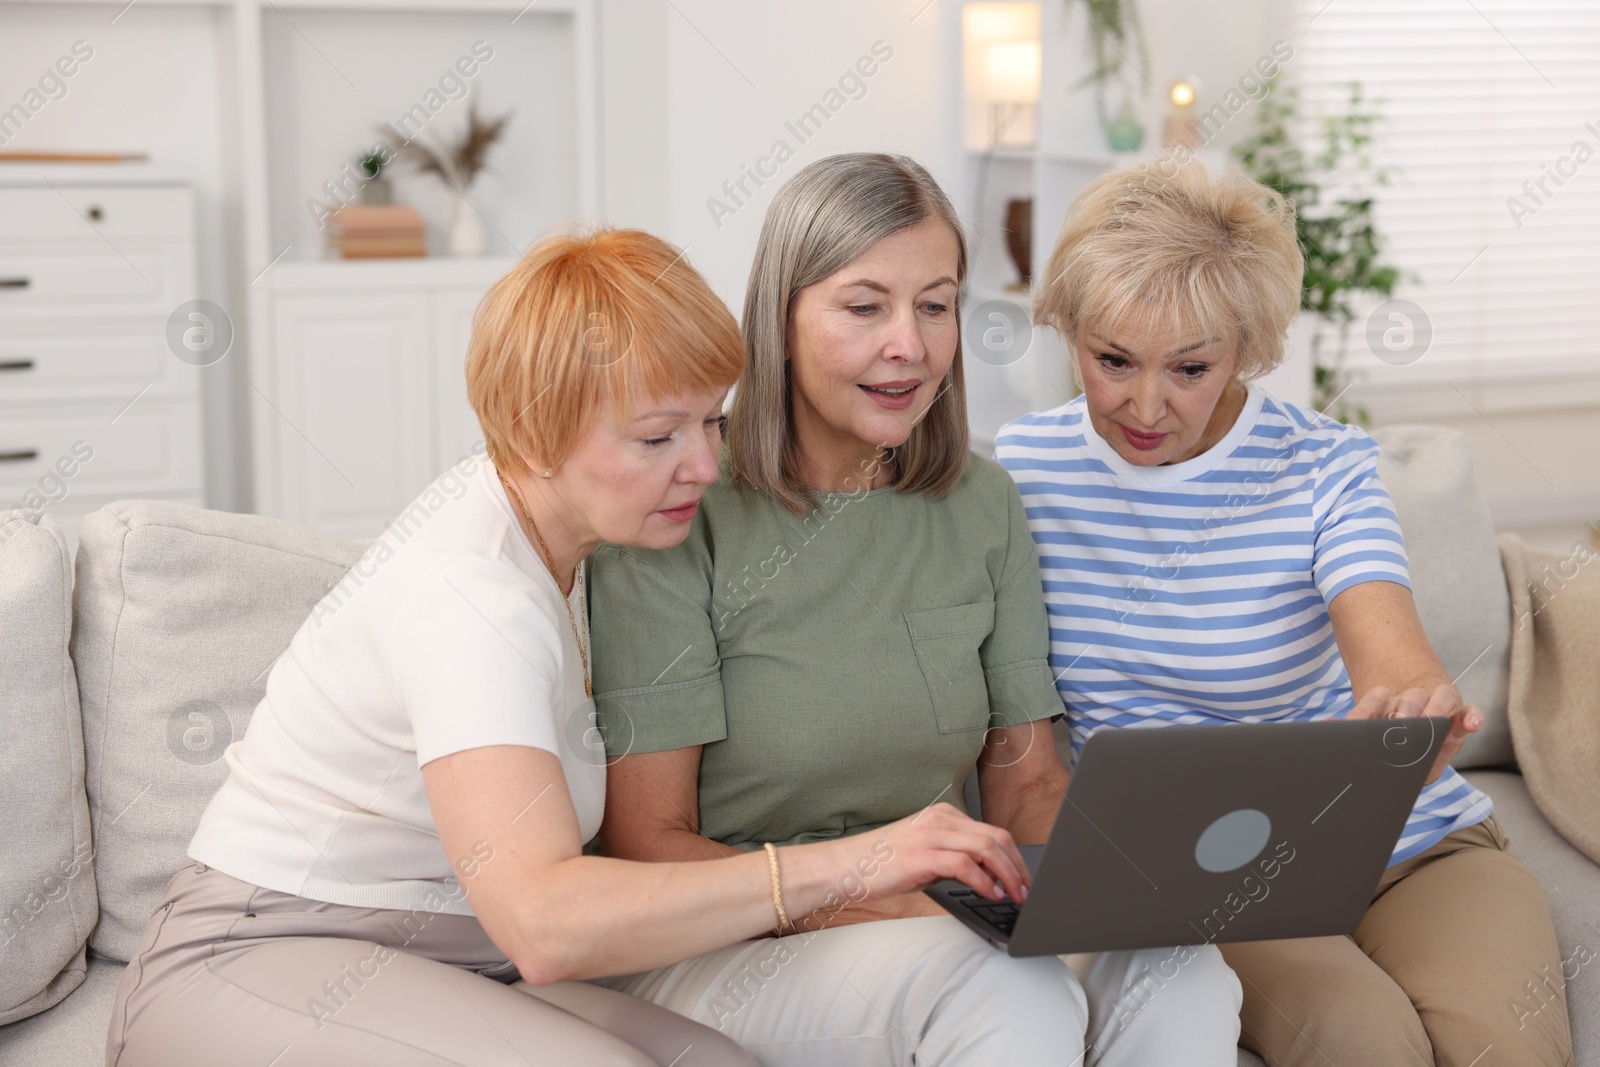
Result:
{"points": [[1002, 915]]}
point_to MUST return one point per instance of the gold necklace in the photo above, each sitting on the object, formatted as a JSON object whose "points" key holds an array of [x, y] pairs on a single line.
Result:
{"points": [[549, 561]]}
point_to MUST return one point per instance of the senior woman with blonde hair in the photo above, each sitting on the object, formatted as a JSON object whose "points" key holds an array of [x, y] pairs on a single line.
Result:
{"points": [[852, 627], [393, 871], [1212, 554]]}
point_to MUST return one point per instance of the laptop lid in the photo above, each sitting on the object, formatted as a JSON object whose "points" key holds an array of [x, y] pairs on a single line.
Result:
{"points": [[1196, 834]]}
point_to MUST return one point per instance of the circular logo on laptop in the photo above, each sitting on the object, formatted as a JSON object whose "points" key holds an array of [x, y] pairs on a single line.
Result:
{"points": [[1233, 840]]}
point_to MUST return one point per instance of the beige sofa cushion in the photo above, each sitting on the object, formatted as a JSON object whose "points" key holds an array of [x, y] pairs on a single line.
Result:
{"points": [[46, 872], [179, 613], [73, 1033], [1455, 572]]}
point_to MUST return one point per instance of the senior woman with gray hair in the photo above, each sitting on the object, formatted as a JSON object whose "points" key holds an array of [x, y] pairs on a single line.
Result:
{"points": [[853, 625]]}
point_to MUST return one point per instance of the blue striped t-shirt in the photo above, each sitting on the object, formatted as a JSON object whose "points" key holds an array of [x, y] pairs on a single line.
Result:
{"points": [[1198, 592]]}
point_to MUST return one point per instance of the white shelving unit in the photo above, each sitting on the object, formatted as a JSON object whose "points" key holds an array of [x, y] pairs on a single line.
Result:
{"points": [[358, 394], [324, 349]]}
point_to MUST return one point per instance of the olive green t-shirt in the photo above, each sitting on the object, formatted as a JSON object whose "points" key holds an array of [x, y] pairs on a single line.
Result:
{"points": [[841, 668]]}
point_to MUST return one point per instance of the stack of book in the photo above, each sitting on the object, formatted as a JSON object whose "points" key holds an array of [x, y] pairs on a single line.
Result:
{"points": [[377, 231]]}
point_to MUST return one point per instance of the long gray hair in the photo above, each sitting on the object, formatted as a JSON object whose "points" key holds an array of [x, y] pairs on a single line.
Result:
{"points": [[829, 214]]}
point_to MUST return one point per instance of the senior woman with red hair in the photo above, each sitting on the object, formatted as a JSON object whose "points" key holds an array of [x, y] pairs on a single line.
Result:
{"points": [[393, 871]]}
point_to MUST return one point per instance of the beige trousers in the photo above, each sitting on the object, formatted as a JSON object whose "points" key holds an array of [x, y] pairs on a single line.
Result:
{"points": [[929, 991], [1456, 964], [228, 972]]}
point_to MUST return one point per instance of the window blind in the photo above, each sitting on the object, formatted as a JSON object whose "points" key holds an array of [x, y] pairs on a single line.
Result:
{"points": [[1492, 123]]}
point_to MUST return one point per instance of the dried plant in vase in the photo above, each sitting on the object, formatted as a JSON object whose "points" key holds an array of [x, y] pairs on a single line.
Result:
{"points": [[458, 166]]}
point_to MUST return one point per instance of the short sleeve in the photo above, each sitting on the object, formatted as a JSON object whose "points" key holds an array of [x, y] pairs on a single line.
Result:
{"points": [[1357, 532], [476, 660], [657, 671], [1016, 666]]}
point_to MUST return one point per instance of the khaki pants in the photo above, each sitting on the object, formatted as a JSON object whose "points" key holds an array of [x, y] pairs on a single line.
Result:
{"points": [[1456, 964], [228, 972]]}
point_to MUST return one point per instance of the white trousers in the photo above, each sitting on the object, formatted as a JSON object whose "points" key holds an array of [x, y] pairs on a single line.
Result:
{"points": [[929, 992]]}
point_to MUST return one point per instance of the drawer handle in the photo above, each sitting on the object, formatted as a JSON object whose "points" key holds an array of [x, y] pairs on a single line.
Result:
{"points": [[13, 283], [22, 455], [16, 364]]}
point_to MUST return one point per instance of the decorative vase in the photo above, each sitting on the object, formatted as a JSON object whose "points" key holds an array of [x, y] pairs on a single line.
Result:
{"points": [[465, 236], [377, 191], [1019, 239], [1125, 133]]}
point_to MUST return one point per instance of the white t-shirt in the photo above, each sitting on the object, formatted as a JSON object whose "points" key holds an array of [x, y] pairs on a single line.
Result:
{"points": [[448, 634]]}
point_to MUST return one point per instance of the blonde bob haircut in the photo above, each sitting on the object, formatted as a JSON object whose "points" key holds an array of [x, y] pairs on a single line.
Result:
{"points": [[829, 214], [586, 322], [1168, 240]]}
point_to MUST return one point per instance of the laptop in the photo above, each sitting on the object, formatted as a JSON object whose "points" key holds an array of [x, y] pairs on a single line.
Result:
{"points": [[1185, 835]]}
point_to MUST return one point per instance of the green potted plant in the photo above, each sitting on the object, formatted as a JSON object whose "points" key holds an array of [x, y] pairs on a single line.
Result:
{"points": [[1331, 187], [1115, 37], [375, 188]]}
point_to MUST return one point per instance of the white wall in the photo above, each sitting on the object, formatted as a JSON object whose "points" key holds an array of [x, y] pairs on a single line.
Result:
{"points": [[635, 103], [696, 89]]}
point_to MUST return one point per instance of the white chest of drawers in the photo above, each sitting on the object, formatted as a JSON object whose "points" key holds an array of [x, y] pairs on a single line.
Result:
{"points": [[94, 406]]}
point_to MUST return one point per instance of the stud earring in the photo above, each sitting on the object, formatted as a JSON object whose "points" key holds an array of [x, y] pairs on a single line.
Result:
{"points": [[547, 472]]}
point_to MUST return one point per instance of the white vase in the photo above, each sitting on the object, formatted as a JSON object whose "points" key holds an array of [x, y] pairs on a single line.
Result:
{"points": [[465, 236]]}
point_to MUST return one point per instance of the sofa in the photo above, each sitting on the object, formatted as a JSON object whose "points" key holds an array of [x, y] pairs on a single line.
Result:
{"points": [[128, 670]]}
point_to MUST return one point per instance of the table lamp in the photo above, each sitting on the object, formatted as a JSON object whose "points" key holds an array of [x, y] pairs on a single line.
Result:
{"points": [[1011, 82]]}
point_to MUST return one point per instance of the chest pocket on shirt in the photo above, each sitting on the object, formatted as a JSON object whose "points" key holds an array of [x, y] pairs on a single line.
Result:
{"points": [[946, 642]]}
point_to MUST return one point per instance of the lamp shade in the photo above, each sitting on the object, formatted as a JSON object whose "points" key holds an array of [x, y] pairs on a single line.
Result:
{"points": [[1011, 71]]}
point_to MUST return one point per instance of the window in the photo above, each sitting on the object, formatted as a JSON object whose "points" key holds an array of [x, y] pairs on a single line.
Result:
{"points": [[1492, 121]]}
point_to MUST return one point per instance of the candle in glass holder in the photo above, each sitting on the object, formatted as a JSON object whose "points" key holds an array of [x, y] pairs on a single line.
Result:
{"points": [[1180, 129]]}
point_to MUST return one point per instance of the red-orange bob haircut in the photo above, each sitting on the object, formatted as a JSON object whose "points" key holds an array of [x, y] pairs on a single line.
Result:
{"points": [[590, 322]]}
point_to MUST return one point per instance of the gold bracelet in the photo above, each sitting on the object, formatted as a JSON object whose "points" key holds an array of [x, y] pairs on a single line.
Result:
{"points": [[777, 891]]}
